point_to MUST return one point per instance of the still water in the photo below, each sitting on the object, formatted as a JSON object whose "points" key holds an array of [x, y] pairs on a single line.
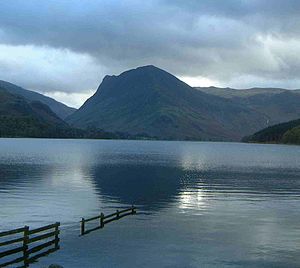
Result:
{"points": [[200, 204]]}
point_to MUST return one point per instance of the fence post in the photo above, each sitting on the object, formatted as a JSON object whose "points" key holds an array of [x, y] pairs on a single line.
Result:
{"points": [[132, 209], [82, 226], [101, 220], [56, 235], [25, 246], [118, 214]]}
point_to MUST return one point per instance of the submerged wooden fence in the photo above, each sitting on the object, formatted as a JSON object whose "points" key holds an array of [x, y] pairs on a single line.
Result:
{"points": [[105, 219], [24, 246], [25, 243]]}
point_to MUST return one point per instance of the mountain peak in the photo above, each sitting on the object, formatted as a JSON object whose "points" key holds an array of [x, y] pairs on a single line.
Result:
{"points": [[143, 70], [147, 67], [148, 78], [132, 73]]}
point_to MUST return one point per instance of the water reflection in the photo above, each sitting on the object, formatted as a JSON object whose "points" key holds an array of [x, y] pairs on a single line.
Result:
{"points": [[153, 187], [72, 189], [38, 194], [207, 204]]}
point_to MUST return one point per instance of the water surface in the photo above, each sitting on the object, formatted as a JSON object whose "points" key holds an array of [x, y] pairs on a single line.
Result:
{"points": [[200, 204]]}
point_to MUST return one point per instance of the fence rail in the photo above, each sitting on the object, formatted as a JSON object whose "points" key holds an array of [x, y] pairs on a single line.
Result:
{"points": [[25, 245], [11, 232], [26, 240], [105, 219]]}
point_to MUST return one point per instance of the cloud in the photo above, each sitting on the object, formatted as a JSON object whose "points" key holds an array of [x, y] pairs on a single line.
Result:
{"points": [[63, 70], [221, 41], [71, 99], [195, 81]]}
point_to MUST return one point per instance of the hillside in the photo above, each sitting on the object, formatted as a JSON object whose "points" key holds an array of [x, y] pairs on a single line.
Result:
{"points": [[243, 93], [20, 118], [151, 101], [59, 108], [292, 136], [288, 132], [276, 105]]}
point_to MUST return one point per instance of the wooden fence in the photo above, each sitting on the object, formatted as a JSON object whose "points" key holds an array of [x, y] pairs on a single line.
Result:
{"points": [[105, 219], [26, 243]]}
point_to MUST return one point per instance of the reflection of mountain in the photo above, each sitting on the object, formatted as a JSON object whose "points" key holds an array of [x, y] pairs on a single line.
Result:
{"points": [[153, 187], [156, 187], [67, 180]]}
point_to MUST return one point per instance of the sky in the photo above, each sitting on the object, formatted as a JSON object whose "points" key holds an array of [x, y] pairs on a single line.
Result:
{"points": [[64, 48]]}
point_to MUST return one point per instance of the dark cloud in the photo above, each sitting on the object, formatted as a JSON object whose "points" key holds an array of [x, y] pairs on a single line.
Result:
{"points": [[217, 39]]}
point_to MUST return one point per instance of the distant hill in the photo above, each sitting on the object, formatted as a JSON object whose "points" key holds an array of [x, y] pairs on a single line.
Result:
{"points": [[243, 93], [152, 101], [20, 118], [288, 132], [276, 105], [59, 108]]}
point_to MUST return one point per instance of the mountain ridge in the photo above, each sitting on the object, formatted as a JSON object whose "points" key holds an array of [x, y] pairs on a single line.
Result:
{"points": [[150, 100], [243, 93], [59, 108], [20, 118]]}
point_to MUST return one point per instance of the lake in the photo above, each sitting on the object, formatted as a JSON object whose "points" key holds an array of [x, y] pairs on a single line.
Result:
{"points": [[200, 204]]}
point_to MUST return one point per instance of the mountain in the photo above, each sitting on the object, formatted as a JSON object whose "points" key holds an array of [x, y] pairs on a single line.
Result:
{"points": [[148, 102], [288, 132], [152, 101], [243, 93], [20, 118], [275, 104], [60, 109]]}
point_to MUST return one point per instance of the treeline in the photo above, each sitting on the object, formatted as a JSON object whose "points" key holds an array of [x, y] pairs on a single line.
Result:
{"points": [[288, 133], [292, 136], [30, 127]]}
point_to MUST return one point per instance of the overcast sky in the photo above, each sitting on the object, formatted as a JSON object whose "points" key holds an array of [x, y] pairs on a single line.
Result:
{"points": [[64, 48]]}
